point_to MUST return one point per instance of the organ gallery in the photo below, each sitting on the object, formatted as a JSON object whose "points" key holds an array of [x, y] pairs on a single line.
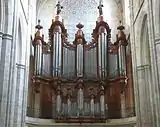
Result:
{"points": [[81, 81]]}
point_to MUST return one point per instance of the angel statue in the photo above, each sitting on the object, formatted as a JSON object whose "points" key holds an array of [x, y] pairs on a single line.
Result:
{"points": [[59, 8]]}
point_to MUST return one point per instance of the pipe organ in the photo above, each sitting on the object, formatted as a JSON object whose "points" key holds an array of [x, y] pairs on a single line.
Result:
{"points": [[84, 79]]}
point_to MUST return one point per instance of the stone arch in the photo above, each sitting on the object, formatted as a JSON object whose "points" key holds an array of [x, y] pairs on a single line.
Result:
{"points": [[144, 43], [139, 26], [21, 36], [144, 71]]}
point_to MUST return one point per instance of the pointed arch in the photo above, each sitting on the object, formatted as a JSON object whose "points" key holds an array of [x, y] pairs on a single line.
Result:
{"points": [[144, 76], [144, 42]]}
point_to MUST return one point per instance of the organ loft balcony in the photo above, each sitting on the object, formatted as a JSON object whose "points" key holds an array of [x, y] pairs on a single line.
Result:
{"points": [[80, 81]]}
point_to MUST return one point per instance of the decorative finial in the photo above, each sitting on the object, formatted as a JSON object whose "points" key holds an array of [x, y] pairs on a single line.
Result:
{"points": [[80, 26], [38, 26], [59, 8], [100, 7], [120, 22], [38, 35], [120, 27]]}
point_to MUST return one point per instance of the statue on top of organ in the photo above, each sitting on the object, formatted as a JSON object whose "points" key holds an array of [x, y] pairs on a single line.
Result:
{"points": [[85, 80]]}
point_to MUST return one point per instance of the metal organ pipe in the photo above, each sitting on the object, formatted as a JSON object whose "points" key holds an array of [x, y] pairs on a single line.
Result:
{"points": [[79, 60], [122, 43], [102, 105], [58, 103], [102, 52], [69, 106], [122, 59], [54, 54], [57, 49], [92, 105], [80, 101], [38, 57]]}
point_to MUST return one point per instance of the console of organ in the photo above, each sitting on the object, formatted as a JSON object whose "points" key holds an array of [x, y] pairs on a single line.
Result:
{"points": [[87, 78]]}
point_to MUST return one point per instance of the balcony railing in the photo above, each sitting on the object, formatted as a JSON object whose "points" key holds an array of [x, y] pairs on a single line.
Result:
{"points": [[86, 116]]}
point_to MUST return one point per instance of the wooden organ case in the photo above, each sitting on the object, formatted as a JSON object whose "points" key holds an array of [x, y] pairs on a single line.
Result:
{"points": [[82, 81]]}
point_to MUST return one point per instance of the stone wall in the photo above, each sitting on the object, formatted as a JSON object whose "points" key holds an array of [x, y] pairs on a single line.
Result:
{"points": [[16, 26], [145, 32]]}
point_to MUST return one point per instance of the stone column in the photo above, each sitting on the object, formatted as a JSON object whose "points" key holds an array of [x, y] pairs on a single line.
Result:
{"points": [[132, 32], [19, 95], [5, 77], [1, 34], [144, 82], [154, 47]]}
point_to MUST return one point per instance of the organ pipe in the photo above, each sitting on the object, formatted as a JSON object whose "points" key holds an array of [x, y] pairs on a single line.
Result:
{"points": [[102, 52], [80, 97], [122, 43], [80, 101], [69, 106], [102, 105], [57, 52], [92, 105], [122, 60], [37, 43], [79, 41], [79, 60], [38, 57]]}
